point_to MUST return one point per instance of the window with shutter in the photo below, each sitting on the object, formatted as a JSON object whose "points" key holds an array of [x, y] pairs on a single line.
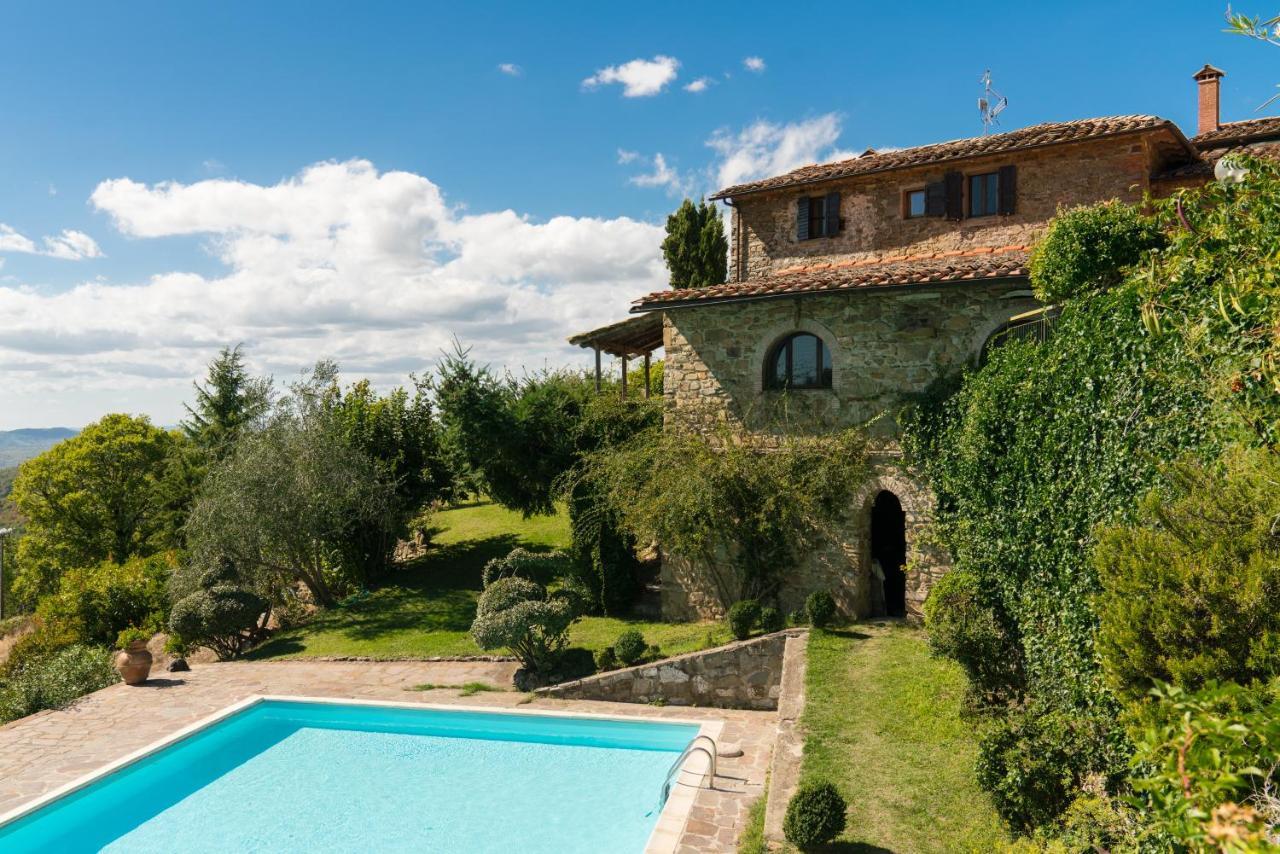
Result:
{"points": [[831, 215], [935, 199], [984, 194], [1008, 190], [954, 182], [802, 219]]}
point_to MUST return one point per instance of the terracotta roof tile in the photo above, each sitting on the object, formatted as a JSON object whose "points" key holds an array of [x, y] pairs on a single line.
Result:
{"points": [[1035, 136], [966, 265], [1236, 132]]}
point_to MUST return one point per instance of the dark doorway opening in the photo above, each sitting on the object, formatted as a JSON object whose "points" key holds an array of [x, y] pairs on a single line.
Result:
{"points": [[889, 550]]}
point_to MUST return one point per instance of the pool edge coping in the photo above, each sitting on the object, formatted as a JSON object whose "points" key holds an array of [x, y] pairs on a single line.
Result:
{"points": [[663, 839]]}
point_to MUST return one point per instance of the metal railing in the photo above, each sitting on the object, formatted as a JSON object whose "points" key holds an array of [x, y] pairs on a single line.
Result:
{"points": [[692, 748]]}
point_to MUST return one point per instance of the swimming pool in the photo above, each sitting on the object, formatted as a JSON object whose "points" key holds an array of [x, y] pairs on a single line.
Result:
{"points": [[316, 776]]}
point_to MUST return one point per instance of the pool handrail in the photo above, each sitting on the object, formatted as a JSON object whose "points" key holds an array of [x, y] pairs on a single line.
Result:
{"points": [[692, 747]]}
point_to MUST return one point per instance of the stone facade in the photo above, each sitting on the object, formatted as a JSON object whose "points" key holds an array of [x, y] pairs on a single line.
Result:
{"points": [[742, 675], [885, 343], [763, 229]]}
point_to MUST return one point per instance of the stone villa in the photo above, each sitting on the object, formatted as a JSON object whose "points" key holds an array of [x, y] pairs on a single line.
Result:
{"points": [[852, 284]]}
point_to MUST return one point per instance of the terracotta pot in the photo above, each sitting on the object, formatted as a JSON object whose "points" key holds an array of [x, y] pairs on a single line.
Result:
{"points": [[134, 664]]}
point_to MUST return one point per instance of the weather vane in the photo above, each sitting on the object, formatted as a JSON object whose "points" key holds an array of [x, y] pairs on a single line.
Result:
{"points": [[991, 104]]}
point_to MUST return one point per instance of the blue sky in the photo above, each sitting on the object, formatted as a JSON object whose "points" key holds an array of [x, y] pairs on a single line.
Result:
{"points": [[169, 152]]}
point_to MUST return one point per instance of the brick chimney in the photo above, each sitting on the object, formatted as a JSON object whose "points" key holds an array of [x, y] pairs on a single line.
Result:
{"points": [[1209, 116]]}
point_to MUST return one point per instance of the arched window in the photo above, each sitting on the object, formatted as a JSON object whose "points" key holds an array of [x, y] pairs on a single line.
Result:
{"points": [[799, 361], [1035, 326]]}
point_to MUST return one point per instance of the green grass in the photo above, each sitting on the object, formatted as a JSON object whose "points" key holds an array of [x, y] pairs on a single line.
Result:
{"points": [[883, 723], [466, 689], [426, 607]]}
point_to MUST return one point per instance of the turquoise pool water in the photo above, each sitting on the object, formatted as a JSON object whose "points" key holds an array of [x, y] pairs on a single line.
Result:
{"points": [[315, 777]]}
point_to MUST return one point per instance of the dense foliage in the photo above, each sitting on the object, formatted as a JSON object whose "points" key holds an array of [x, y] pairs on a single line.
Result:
{"points": [[744, 513], [695, 248], [815, 815], [95, 497], [1088, 249], [743, 617], [92, 605], [771, 620], [630, 647], [964, 625], [53, 681], [1190, 589], [819, 609], [541, 567]]}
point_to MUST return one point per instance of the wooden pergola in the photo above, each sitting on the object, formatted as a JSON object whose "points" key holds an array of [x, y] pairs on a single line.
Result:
{"points": [[635, 337]]}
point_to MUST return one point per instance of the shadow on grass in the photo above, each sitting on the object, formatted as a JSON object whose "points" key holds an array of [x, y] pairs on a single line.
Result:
{"points": [[852, 634], [435, 592], [856, 848]]}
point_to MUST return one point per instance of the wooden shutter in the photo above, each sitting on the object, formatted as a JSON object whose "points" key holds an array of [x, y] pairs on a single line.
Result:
{"points": [[954, 182], [935, 199], [831, 215], [1008, 189], [802, 218]]}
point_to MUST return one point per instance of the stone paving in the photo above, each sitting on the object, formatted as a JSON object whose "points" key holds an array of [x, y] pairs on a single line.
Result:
{"points": [[49, 749]]}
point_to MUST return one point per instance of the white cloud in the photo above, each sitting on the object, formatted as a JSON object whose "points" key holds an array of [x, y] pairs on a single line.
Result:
{"points": [[639, 78], [510, 69], [699, 85], [765, 148], [70, 245], [625, 156], [754, 63], [663, 176], [374, 269]]}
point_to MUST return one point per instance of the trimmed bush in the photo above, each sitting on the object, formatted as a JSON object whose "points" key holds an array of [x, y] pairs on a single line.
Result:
{"points": [[820, 608], [606, 659], [55, 681], [540, 567], [518, 614], [1089, 248], [815, 816], [630, 647], [219, 615], [743, 617], [771, 620]]}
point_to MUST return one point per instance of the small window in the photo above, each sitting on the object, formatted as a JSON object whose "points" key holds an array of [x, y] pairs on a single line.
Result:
{"points": [[914, 205], [817, 217], [799, 361], [984, 194]]}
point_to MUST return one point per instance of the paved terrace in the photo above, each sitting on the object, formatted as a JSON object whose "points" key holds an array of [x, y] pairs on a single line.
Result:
{"points": [[49, 749]]}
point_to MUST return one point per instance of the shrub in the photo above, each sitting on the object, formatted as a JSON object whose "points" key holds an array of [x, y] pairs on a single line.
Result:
{"points": [[1190, 590], [54, 681], [1034, 760], [176, 645], [44, 641], [540, 567], [815, 815], [130, 636], [820, 609], [219, 615], [1087, 248], [97, 603], [518, 614], [771, 620], [630, 647], [743, 617], [963, 625], [606, 659]]}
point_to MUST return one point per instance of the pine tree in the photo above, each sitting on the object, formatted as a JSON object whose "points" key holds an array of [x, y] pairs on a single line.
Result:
{"points": [[228, 400], [695, 247]]}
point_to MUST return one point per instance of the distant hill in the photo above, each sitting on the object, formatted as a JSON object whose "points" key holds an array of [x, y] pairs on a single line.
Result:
{"points": [[19, 445]]}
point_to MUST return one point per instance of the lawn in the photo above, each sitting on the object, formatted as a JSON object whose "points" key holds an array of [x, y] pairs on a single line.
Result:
{"points": [[426, 607], [883, 723]]}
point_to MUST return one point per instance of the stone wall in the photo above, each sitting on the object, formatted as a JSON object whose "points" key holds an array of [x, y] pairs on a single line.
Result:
{"points": [[763, 228], [742, 675]]}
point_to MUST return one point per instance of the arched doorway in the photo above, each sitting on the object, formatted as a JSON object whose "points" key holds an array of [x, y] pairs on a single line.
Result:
{"points": [[889, 550]]}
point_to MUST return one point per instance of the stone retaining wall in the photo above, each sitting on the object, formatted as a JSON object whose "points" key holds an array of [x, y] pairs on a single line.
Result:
{"points": [[742, 675]]}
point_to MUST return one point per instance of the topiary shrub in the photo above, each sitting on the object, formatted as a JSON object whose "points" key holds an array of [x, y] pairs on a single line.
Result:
{"points": [[54, 681], [963, 626], [820, 608], [225, 618], [771, 620], [743, 617], [540, 567], [1088, 248], [518, 614], [630, 647], [815, 816]]}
